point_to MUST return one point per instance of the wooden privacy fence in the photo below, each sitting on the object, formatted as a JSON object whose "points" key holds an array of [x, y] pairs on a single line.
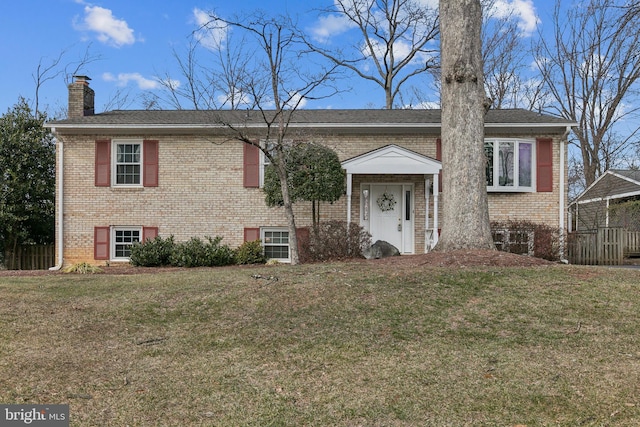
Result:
{"points": [[30, 257], [632, 243], [604, 246]]}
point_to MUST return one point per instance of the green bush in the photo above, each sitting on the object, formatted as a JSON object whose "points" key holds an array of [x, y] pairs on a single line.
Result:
{"points": [[250, 253], [196, 253], [153, 253], [192, 253]]}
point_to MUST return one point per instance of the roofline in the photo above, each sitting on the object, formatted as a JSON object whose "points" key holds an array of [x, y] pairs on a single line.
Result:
{"points": [[184, 127], [626, 178], [577, 200], [604, 198]]}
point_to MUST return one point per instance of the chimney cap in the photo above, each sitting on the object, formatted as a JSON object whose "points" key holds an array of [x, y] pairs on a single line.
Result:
{"points": [[81, 79]]}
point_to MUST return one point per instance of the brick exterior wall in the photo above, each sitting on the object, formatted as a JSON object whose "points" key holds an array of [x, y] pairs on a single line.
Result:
{"points": [[201, 193], [81, 98]]}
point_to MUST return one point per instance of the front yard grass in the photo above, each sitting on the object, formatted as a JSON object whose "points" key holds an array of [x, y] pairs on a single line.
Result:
{"points": [[341, 344]]}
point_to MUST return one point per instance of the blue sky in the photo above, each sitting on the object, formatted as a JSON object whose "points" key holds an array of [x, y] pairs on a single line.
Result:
{"points": [[133, 40]]}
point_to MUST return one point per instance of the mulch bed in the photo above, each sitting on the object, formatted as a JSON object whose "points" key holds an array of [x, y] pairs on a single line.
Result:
{"points": [[459, 258]]}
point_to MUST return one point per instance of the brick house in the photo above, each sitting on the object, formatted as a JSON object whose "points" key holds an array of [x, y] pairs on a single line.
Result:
{"points": [[124, 176]]}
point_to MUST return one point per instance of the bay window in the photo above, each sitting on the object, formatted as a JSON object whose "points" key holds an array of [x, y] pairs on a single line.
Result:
{"points": [[509, 164]]}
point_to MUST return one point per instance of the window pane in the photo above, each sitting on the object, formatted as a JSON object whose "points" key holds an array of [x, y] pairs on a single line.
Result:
{"points": [[128, 164], [407, 205], [506, 159], [128, 174], [123, 241], [128, 153], [276, 244], [524, 164], [488, 151], [276, 252]]}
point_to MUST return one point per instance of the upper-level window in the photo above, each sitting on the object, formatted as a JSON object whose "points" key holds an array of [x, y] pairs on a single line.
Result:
{"points": [[127, 163], [509, 164], [264, 160]]}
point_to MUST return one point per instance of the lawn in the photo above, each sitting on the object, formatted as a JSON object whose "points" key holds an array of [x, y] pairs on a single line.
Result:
{"points": [[338, 344]]}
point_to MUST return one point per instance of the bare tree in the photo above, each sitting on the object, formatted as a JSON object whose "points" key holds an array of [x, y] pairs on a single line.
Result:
{"points": [[591, 68], [395, 44], [506, 57], [277, 85], [211, 77], [54, 68], [463, 128]]}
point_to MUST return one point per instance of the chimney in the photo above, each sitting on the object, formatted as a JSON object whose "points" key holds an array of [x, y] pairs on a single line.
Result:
{"points": [[81, 98]]}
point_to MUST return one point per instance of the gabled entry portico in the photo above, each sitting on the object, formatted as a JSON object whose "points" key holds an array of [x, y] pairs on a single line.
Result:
{"points": [[388, 207]]}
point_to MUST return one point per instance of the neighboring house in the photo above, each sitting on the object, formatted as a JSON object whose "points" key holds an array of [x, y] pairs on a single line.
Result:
{"points": [[124, 176], [599, 205]]}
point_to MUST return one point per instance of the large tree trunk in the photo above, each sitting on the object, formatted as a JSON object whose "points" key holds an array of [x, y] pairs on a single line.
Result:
{"points": [[465, 212]]}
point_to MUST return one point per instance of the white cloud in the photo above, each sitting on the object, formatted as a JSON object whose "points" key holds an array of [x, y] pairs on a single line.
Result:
{"points": [[143, 83], [431, 4], [424, 105], [109, 29], [212, 36], [296, 100], [522, 10], [401, 49], [235, 97], [331, 26]]}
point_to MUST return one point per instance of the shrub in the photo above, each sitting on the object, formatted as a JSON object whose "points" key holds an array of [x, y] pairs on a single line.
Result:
{"points": [[250, 253], [196, 253], [153, 253], [337, 240], [515, 237], [82, 268]]}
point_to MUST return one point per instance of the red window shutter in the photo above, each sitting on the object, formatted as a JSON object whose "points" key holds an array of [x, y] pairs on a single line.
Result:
{"points": [[103, 163], [544, 164], [303, 233], [150, 154], [149, 233], [251, 234], [101, 243], [439, 158], [251, 166]]}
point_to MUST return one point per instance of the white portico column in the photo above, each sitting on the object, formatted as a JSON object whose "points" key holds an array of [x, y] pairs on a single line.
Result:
{"points": [[436, 191]]}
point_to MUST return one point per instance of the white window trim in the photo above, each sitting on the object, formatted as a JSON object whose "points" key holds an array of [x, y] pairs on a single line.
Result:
{"points": [[263, 230], [114, 168], [496, 188], [112, 240]]}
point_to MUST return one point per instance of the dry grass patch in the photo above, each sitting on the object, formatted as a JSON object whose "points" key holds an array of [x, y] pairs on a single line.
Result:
{"points": [[330, 344]]}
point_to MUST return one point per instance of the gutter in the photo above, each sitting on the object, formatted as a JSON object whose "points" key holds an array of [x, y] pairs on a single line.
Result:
{"points": [[79, 127], [60, 210]]}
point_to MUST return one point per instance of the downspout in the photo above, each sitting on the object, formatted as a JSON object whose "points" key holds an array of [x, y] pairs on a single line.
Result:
{"points": [[60, 210], [562, 196], [349, 189]]}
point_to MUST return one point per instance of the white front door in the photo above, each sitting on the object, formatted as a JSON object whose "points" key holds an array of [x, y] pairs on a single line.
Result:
{"points": [[391, 207]]}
